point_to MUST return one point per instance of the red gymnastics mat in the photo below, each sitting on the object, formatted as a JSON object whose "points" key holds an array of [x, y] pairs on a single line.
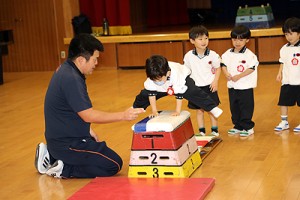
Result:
{"points": [[123, 188]]}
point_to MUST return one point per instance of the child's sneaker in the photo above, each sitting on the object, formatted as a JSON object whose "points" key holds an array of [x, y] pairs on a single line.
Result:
{"points": [[214, 133], [200, 134], [234, 131], [297, 129], [56, 169], [283, 125], [247, 133], [42, 158]]}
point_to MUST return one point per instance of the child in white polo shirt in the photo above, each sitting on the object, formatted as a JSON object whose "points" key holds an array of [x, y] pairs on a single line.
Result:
{"points": [[289, 72], [205, 71], [171, 78], [239, 65]]}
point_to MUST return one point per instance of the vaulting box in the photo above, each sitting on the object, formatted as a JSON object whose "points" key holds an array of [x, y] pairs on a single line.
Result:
{"points": [[164, 132]]}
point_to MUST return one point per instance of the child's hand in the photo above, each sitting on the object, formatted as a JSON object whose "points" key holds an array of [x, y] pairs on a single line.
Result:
{"points": [[154, 114], [213, 86], [228, 76], [175, 114], [278, 77], [235, 78]]}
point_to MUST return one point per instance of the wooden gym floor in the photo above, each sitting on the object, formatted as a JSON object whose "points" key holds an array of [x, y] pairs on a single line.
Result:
{"points": [[263, 166]]}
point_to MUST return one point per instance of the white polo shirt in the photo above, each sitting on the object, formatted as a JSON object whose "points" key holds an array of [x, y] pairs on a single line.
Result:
{"points": [[176, 80], [237, 63], [203, 69], [290, 58]]}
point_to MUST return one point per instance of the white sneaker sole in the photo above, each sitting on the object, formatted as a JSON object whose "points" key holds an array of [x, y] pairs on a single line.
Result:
{"points": [[281, 129], [246, 135], [234, 132]]}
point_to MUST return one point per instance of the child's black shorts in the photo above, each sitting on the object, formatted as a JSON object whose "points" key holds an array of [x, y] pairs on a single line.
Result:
{"points": [[289, 95], [213, 95]]}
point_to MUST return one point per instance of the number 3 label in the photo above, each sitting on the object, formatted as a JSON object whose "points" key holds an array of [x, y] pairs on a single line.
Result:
{"points": [[155, 173]]}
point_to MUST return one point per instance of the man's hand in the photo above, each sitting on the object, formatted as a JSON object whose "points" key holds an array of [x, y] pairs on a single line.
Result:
{"points": [[132, 113], [94, 135]]}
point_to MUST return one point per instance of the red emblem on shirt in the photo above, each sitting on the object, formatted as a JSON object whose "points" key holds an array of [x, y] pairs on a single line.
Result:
{"points": [[240, 68], [295, 61], [170, 91]]}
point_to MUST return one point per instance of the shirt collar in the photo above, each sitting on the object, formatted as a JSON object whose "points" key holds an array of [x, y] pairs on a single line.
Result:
{"points": [[296, 45], [70, 62], [206, 53], [241, 51]]}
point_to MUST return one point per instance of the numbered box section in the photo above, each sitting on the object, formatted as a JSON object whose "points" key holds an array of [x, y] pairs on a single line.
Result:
{"points": [[164, 132], [164, 157], [183, 171], [203, 140]]}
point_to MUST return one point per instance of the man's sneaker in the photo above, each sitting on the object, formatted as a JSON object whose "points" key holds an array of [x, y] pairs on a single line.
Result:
{"points": [[247, 133], [200, 134], [297, 129], [42, 158], [234, 131], [283, 125], [216, 111], [56, 169], [214, 133]]}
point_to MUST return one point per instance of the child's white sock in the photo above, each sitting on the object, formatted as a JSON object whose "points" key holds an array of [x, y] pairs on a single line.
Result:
{"points": [[216, 111]]}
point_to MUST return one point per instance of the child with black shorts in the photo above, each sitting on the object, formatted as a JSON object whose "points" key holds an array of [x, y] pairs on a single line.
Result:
{"points": [[205, 71], [289, 72], [171, 78]]}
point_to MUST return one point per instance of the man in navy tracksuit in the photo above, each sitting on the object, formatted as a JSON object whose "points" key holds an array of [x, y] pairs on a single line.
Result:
{"points": [[73, 149]]}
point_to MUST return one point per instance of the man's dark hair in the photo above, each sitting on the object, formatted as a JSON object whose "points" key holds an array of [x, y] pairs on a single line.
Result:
{"points": [[291, 25], [240, 32], [84, 45], [197, 31], [156, 67]]}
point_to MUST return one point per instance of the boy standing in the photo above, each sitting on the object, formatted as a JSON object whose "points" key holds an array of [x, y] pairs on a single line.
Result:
{"points": [[239, 65], [289, 72], [170, 78], [205, 71]]}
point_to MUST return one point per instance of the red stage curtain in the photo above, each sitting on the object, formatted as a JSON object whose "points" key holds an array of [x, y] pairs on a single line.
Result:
{"points": [[117, 12], [167, 12]]}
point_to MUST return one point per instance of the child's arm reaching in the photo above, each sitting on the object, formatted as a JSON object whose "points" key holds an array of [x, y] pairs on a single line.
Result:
{"points": [[178, 107], [152, 100], [179, 98]]}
